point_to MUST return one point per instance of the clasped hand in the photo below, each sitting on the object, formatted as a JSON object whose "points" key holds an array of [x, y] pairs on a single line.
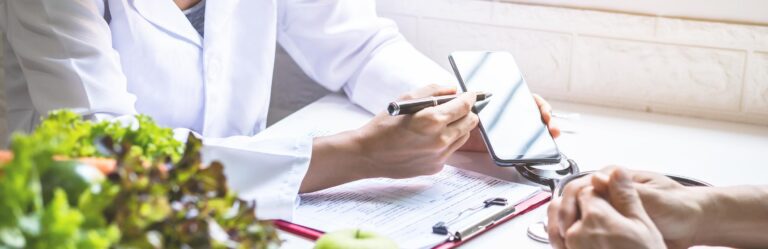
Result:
{"points": [[618, 208]]}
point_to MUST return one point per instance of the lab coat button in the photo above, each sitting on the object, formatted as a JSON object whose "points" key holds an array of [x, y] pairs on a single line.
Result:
{"points": [[213, 95], [213, 69], [214, 65]]}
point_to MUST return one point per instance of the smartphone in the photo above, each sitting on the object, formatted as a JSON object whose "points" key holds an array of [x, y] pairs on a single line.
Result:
{"points": [[510, 120]]}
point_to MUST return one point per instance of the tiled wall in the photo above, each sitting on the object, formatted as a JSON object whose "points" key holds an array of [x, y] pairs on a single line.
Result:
{"points": [[685, 67]]}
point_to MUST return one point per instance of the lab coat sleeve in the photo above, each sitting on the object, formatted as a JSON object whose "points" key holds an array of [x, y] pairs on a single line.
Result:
{"points": [[268, 170], [344, 44], [64, 49]]}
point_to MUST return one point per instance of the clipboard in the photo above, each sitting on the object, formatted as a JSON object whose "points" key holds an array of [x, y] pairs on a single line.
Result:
{"points": [[464, 234]]}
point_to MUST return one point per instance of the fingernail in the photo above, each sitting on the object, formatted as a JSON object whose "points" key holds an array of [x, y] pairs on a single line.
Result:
{"points": [[620, 177], [601, 176]]}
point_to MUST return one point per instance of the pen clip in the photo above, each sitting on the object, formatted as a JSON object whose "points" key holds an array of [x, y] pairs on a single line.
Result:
{"points": [[473, 229]]}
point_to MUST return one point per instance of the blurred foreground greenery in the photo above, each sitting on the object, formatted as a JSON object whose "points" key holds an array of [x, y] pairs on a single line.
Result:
{"points": [[159, 195]]}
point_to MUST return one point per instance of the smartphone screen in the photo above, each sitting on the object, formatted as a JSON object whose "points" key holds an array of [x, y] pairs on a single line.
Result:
{"points": [[510, 119]]}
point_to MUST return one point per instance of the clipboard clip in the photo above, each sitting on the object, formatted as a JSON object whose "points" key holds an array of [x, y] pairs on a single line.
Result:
{"points": [[442, 227]]}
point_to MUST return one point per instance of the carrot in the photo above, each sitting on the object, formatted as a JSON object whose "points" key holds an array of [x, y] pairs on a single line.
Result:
{"points": [[105, 165], [5, 157]]}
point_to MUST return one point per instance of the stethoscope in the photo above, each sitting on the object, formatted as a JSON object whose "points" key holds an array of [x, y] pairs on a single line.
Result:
{"points": [[557, 176]]}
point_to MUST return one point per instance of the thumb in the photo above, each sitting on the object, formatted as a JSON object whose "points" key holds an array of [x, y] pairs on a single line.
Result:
{"points": [[623, 195]]}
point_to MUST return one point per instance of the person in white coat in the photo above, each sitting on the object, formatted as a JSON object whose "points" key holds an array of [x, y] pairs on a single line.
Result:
{"points": [[206, 67]]}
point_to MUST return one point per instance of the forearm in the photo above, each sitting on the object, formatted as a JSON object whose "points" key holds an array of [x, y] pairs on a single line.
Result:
{"points": [[737, 217], [335, 160]]}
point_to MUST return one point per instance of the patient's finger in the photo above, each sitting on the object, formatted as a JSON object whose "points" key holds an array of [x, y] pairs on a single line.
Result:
{"points": [[553, 224], [600, 182], [569, 209]]}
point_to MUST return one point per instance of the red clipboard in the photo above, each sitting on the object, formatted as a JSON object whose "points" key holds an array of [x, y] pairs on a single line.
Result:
{"points": [[523, 207]]}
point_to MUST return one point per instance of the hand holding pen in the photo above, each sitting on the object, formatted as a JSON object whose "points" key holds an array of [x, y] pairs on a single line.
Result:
{"points": [[405, 146], [396, 147]]}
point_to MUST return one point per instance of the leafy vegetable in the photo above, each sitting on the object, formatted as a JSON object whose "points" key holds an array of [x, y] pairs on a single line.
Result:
{"points": [[66, 133], [159, 195], [25, 222], [71, 176], [185, 205]]}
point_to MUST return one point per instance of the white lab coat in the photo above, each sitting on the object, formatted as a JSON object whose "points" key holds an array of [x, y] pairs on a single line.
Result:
{"points": [[149, 59]]}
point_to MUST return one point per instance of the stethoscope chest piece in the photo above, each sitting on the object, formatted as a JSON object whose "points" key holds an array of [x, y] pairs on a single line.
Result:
{"points": [[538, 231], [549, 175]]}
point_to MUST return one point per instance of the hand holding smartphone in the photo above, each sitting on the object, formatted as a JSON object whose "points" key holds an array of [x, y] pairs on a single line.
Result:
{"points": [[510, 122]]}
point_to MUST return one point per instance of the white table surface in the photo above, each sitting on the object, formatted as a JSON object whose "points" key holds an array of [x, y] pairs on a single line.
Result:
{"points": [[720, 153]]}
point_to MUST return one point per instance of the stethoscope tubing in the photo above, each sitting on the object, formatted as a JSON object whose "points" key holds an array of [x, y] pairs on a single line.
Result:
{"points": [[685, 181]]}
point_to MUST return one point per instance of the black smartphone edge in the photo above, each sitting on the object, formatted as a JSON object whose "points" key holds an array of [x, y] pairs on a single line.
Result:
{"points": [[499, 161]]}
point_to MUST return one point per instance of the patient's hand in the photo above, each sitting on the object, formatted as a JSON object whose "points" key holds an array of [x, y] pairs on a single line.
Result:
{"points": [[476, 144], [676, 210], [612, 219]]}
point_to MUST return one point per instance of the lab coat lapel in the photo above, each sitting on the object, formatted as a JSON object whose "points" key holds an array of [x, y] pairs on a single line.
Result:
{"points": [[167, 16]]}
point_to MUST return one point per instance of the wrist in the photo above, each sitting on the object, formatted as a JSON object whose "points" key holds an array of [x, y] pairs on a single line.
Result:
{"points": [[335, 160], [359, 143], [709, 200], [736, 217]]}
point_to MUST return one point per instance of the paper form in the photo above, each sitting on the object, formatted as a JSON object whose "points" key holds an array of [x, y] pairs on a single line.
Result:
{"points": [[405, 209]]}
